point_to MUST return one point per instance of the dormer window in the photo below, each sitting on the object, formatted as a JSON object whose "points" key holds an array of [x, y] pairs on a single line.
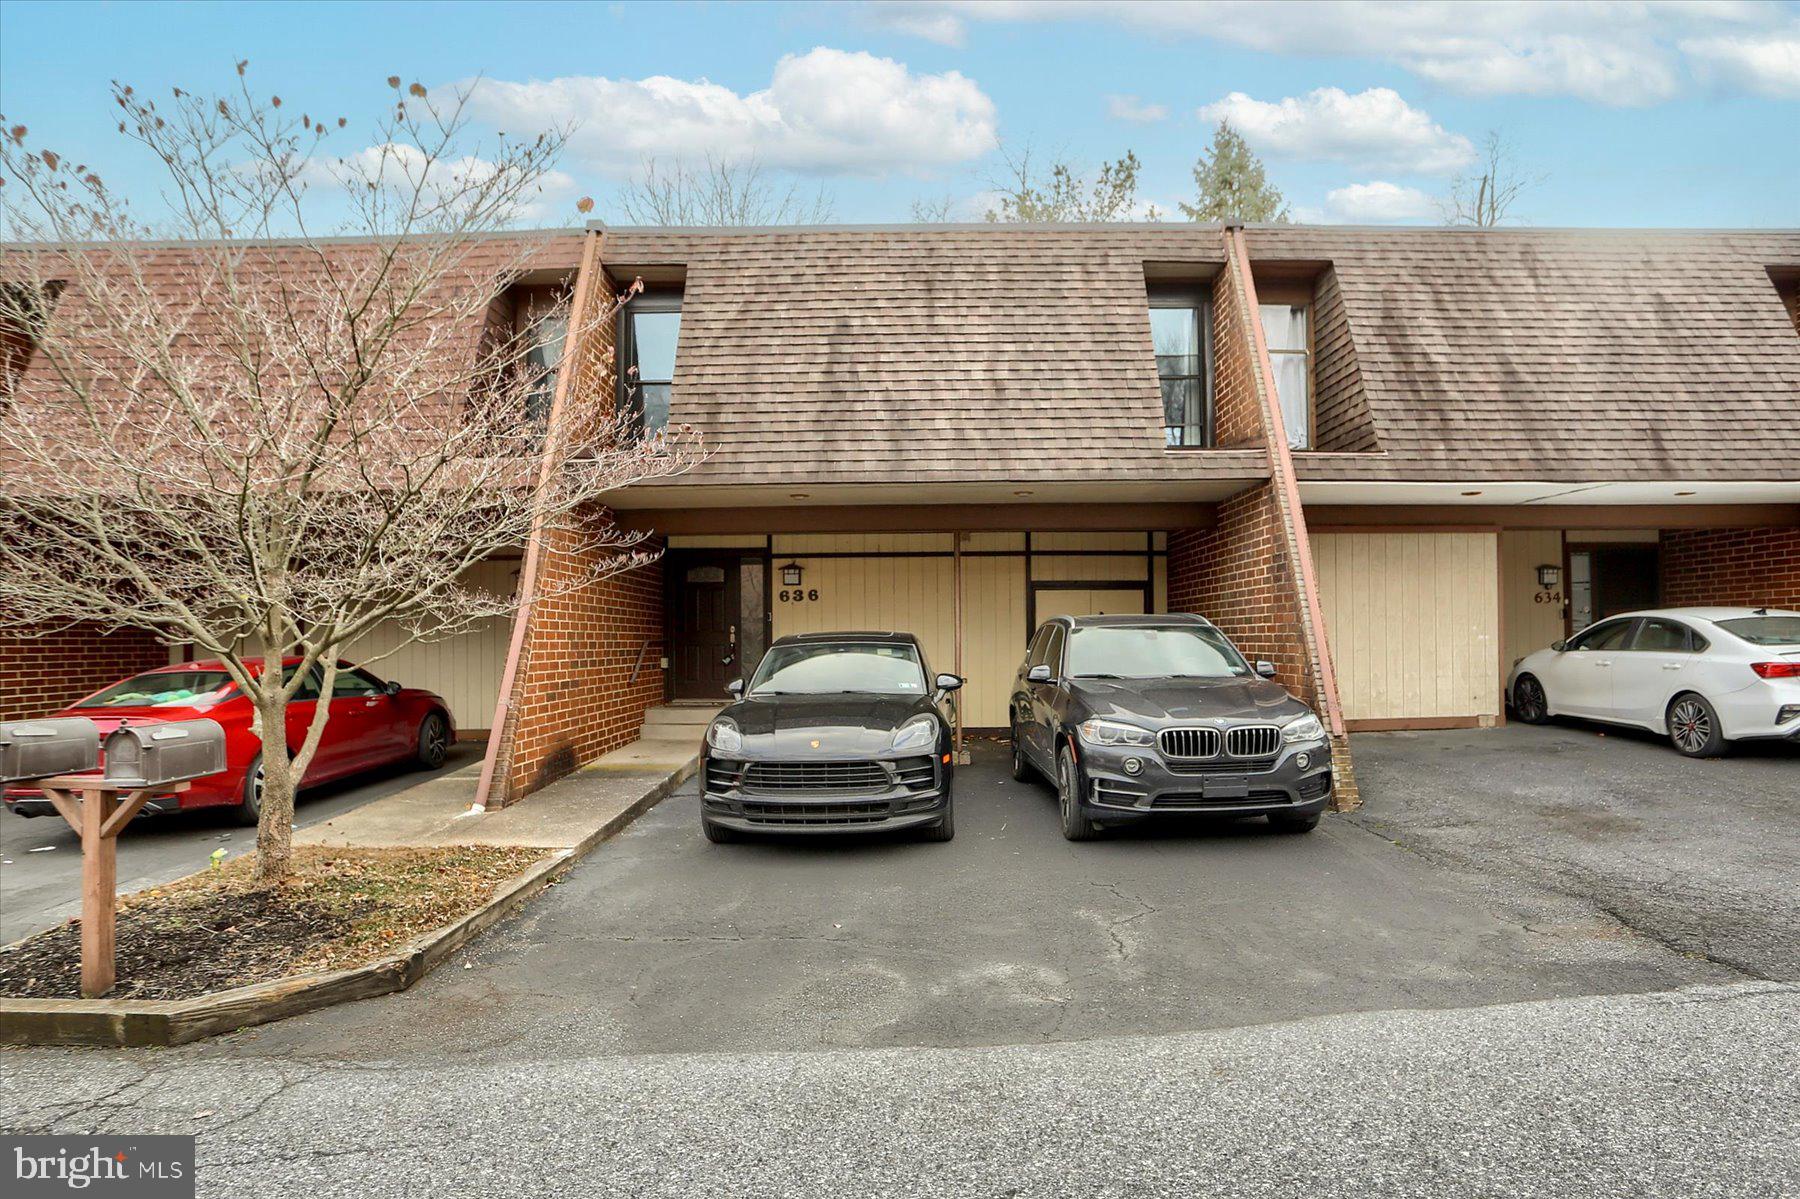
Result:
{"points": [[1287, 329], [649, 328], [1181, 332]]}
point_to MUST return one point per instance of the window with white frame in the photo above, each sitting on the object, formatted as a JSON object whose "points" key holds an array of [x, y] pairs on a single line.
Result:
{"points": [[1287, 331]]}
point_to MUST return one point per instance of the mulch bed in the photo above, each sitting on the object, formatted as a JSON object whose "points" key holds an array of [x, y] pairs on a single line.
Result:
{"points": [[217, 930]]}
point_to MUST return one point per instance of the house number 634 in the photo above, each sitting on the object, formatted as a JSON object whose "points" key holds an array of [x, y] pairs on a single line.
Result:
{"points": [[797, 595]]}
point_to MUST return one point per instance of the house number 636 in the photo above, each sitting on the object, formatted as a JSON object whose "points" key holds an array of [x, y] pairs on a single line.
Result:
{"points": [[797, 595]]}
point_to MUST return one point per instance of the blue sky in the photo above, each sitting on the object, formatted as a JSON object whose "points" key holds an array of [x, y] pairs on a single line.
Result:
{"points": [[1648, 115]]}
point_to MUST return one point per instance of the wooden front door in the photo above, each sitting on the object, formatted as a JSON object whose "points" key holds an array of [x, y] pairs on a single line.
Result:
{"points": [[703, 626]]}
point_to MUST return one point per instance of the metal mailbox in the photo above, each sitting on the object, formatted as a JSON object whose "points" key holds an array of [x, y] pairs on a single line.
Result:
{"points": [[37, 749], [149, 755]]}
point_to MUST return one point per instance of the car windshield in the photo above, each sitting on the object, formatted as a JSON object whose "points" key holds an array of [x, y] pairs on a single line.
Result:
{"points": [[833, 667], [1764, 630], [163, 689], [1177, 651]]}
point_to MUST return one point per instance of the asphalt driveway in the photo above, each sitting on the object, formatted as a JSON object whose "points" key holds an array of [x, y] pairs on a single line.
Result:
{"points": [[1565, 823], [662, 942]]}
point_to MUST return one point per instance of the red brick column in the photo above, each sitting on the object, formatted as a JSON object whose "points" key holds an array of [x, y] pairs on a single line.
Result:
{"points": [[1252, 573], [1731, 567], [592, 664], [40, 674]]}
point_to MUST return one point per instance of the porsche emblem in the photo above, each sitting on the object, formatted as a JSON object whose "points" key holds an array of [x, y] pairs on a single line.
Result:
{"points": [[815, 745]]}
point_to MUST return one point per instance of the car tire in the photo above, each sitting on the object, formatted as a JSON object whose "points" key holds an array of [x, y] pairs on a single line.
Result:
{"points": [[1021, 769], [249, 809], [1075, 825], [1286, 822], [1693, 727], [945, 829], [718, 834], [432, 745], [1530, 704]]}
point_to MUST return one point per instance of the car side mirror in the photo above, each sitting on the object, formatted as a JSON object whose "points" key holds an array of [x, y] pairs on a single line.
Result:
{"points": [[948, 682], [392, 687], [1266, 669], [736, 687], [1559, 646], [1039, 674]]}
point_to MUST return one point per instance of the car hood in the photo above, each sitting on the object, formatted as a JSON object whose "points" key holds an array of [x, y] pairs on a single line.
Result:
{"points": [[1173, 701], [822, 726]]}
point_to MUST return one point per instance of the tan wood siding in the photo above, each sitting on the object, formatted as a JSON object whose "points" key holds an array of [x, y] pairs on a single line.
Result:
{"points": [[1530, 623], [465, 669], [1414, 622]]}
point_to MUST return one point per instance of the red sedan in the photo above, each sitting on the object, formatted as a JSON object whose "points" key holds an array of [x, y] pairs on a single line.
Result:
{"points": [[372, 723]]}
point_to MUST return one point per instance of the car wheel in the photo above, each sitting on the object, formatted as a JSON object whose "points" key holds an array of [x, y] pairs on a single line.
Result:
{"points": [[1075, 826], [1529, 702], [433, 741], [945, 829], [249, 809], [1021, 769], [718, 834], [1287, 822], [1694, 727]]}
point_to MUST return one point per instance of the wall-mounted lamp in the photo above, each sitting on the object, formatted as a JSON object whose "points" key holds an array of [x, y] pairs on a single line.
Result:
{"points": [[790, 574], [1549, 576]]}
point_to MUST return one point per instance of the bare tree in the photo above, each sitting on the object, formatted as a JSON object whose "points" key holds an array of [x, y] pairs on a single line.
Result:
{"points": [[718, 193], [1065, 193], [937, 210], [266, 449], [1485, 199]]}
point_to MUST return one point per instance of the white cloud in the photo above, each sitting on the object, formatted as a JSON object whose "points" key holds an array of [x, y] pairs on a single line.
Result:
{"points": [[1130, 108], [1612, 54], [1763, 66], [824, 112], [1378, 203], [920, 21], [1375, 129]]}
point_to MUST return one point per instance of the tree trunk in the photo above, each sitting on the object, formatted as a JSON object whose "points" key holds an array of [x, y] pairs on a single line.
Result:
{"points": [[275, 827]]}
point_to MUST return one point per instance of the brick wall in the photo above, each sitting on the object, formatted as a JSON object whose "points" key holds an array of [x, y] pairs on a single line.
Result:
{"points": [[39, 675], [578, 697], [1747, 567], [1236, 575]]}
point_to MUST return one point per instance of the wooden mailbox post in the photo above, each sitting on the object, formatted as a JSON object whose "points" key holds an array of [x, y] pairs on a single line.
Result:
{"points": [[97, 809]]}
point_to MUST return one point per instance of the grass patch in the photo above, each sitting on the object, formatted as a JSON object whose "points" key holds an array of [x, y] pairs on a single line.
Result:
{"points": [[216, 930]]}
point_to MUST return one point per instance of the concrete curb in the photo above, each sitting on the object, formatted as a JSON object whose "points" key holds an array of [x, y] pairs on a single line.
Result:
{"points": [[142, 1022]]}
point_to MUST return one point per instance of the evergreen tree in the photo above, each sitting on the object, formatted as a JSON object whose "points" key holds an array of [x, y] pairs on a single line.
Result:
{"points": [[1231, 184]]}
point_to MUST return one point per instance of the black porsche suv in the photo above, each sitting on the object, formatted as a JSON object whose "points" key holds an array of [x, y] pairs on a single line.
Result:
{"points": [[1130, 716], [836, 732]]}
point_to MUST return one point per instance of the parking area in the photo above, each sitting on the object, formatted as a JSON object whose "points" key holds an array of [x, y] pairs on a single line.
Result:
{"points": [[1489, 866]]}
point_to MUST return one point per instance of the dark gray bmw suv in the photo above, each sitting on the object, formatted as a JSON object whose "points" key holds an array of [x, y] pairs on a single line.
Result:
{"points": [[1134, 715]]}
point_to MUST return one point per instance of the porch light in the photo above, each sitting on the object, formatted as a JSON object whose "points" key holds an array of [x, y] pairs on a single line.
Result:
{"points": [[790, 574], [1549, 576]]}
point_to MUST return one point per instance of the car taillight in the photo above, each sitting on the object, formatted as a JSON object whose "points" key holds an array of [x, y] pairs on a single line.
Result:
{"points": [[1777, 670]]}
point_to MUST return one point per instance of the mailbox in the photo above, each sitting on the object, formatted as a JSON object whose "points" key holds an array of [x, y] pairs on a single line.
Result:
{"points": [[37, 749], [148, 755]]}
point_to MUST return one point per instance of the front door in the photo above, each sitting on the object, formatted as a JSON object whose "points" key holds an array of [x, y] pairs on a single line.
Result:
{"points": [[703, 625]]}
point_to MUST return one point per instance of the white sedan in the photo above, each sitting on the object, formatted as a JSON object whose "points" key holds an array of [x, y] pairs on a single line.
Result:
{"points": [[1704, 676]]}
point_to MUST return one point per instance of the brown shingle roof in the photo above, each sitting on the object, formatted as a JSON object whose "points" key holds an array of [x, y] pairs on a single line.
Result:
{"points": [[924, 353], [1564, 355]]}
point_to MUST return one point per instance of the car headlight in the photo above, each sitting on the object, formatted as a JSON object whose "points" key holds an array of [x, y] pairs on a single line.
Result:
{"points": [[916, 733], [723, 736], [1111, 732], [1306, 728]]}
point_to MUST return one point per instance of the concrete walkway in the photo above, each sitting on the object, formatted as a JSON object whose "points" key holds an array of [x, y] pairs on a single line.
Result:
{"points": [[572, 813]]}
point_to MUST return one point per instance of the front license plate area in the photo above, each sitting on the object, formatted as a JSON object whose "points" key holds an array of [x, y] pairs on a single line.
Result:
{"points": [[1226, 786]]}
